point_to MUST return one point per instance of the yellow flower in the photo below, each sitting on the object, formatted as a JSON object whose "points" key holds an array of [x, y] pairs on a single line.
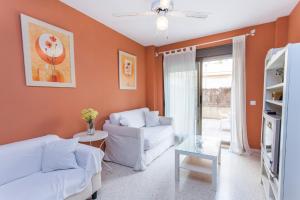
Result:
{"points": [[89, 114]]}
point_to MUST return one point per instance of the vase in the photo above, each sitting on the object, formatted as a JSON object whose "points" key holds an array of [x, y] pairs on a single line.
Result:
{"points": [[91, 128]]}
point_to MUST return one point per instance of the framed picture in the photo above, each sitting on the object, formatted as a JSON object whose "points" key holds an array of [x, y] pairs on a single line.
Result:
{"points": [[127, 71], [48, 54]]}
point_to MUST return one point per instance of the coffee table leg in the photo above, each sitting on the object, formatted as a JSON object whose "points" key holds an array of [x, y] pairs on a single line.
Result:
{"points": [[214, 173], [219, 157], [176, 166]]}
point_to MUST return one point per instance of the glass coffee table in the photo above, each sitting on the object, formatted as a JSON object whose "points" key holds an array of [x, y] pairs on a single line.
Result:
{"points": [[199, 147]]}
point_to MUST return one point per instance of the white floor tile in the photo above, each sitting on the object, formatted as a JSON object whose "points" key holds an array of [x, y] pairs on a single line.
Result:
{"points": [[239, 179]]}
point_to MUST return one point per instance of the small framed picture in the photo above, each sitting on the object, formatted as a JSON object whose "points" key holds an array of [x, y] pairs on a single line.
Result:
{"points": [[127, 71]]}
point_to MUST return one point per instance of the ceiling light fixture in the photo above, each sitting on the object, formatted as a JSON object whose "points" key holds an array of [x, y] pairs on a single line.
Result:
{"points": [[164, 9], [164, 4], [162, 23]]}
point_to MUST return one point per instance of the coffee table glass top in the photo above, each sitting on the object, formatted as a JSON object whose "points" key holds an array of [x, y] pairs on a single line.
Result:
{"points": [[200, 145]]}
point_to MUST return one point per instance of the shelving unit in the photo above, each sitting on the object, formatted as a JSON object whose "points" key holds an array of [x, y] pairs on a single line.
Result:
{"points": [[278, 86], [285, 186], [275, 102], [277, 60], [273, 83]]}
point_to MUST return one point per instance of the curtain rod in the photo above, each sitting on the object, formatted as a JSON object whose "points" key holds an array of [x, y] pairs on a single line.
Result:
{"points": [[251, 33]]}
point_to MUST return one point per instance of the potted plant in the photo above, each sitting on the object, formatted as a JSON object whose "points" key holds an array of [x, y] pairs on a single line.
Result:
{"points": [[89, 115]]}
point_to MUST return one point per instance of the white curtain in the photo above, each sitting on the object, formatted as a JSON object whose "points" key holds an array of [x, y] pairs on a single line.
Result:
{"points": [[239, 141], [180, 85]]}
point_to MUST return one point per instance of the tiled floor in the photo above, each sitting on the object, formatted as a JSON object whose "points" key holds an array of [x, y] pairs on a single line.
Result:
{"points": [[238, 180]]}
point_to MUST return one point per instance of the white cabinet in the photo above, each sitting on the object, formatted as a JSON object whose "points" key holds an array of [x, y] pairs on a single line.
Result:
{"points": [[287, 62]]}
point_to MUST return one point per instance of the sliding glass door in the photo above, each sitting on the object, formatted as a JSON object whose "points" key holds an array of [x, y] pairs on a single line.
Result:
{"points": [[215, 75], [197, 87]]}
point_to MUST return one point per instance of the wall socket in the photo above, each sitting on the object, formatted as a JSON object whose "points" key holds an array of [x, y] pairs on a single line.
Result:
{"points": [[252, 103]]}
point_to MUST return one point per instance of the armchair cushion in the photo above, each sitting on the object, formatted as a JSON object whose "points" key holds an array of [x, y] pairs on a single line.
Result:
{"points": [[165, 120], [155, 135], [152, 118], [133, 118], [124, 121]]}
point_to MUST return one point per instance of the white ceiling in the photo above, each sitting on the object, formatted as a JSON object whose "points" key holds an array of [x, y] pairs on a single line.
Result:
{"points": [[225, 15]]}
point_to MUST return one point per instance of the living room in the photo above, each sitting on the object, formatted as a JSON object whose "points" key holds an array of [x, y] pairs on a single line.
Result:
{"points": [[149, 99]]}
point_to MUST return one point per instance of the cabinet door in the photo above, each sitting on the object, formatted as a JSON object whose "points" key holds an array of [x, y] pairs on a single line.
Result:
{"points": [[292, 141]]}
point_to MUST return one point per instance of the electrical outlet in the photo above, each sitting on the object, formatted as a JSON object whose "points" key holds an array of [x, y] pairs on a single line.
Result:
{"points": [[252, 103]]}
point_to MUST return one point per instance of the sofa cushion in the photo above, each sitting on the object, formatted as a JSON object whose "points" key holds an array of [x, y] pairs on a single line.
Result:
{"points": [[20, 159], [59, 155], [155, 135], [124, 121], [152, 118], [134, 118], [56, 185]]}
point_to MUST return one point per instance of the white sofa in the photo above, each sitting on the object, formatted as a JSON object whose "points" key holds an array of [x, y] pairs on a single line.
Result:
{"points": [[21, 177], [136, 145]]}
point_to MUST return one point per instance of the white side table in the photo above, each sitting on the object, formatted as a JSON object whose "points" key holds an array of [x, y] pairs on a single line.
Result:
{"points": [[98, 136]]}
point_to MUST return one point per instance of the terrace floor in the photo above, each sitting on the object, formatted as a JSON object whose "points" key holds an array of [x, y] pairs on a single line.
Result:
{"points": [[216, 128]]}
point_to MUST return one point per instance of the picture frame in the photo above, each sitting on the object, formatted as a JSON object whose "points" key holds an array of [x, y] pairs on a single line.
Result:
{"points": [[127, 71], [48, 54]]}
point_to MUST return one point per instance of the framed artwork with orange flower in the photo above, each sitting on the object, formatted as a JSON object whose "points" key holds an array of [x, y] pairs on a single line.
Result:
{"points": [[48, 54], [127, 71]]}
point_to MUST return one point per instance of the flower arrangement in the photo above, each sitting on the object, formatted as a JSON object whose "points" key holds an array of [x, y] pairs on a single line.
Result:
{"points": [[89, 115]]}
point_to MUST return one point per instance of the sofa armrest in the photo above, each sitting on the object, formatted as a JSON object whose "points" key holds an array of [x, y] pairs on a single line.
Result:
{"points": [[165, 120], [122, 130], [89, 158], [125, 145]]}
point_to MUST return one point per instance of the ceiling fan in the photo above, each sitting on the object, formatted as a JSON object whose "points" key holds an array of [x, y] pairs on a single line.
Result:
{"points": [[162, 9]]}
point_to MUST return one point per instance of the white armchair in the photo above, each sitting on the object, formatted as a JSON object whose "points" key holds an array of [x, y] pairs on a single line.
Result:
{"points": [[136, 146]]}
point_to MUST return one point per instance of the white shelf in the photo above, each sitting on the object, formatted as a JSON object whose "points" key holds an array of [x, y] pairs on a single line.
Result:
{"points": [[194, 165], [275, 102], [276, 87], [277, 61]]}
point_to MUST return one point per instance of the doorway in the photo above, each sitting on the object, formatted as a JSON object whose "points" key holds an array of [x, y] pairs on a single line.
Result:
{"points": [[214, 91]]}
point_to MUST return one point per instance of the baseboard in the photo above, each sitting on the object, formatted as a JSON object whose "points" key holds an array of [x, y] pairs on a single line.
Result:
{"points": [[255, 152]]}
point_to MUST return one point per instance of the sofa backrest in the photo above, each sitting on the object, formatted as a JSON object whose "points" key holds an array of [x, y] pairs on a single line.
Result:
{"points": [[135, 118], [20, 159]]}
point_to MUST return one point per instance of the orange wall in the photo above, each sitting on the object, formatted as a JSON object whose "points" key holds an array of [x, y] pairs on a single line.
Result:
{"points": [[256, 49], [281, 31], [151, 77], [294, 25], [155, 96], [26, 112]]}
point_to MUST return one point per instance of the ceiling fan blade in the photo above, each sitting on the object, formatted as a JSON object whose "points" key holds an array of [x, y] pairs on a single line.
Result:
{"points": [[133, 14], [199, 15], [192, 14]]}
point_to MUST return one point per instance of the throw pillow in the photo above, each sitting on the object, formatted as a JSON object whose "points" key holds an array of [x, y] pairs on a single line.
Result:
{"points": [[59, 155], [124, 121], [152, 118]]}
